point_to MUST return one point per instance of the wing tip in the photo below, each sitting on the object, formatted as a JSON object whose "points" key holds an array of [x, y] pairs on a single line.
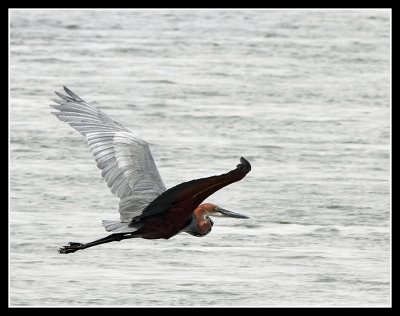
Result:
{"points": [[71, 96], [64, 97], [244, 165]]}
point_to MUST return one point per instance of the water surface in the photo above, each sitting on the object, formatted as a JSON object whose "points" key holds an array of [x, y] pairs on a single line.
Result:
{"points": [[303, 95]]}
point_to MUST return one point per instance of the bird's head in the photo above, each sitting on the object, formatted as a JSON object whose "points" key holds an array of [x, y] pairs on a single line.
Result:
{"points": [[213, 210]]}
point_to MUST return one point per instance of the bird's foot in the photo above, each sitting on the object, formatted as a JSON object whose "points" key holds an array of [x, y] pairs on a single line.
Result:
{"points": [[72, 247]]}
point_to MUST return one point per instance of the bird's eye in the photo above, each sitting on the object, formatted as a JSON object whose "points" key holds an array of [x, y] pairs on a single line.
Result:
{"points": [[216, 209]]}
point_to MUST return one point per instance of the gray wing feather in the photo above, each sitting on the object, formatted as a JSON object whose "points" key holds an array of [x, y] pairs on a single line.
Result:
{"points": [[118, 227], [135, 161], [125, 161]]}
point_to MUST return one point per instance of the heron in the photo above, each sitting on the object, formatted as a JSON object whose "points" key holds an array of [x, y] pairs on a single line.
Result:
{"points": [[147, 209]]}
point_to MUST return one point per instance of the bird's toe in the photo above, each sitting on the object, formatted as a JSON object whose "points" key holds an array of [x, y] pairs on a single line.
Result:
{"points": [[70, 248]]}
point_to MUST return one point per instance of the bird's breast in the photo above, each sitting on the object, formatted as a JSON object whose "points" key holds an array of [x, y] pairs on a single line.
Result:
{"points": [[161, 226]]}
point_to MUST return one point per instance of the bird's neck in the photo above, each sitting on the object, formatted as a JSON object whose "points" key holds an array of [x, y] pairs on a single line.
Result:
{"points": [[199, 225]]}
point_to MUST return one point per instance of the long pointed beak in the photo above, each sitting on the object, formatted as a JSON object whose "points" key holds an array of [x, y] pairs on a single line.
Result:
{"points": [[231, 214]]}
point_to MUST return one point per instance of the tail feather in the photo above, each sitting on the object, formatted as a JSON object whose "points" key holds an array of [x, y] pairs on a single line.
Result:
{"points": [[118, 227]]}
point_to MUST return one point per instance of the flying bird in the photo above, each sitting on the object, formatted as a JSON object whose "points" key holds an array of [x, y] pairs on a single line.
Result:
{"points": [[147, 209]]}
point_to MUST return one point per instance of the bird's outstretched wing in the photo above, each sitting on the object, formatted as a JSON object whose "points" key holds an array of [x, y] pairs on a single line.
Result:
{"points": [[180, 201], [125, 160]]}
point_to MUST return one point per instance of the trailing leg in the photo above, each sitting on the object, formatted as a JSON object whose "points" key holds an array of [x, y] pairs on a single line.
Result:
{"points": [[74, 246]]}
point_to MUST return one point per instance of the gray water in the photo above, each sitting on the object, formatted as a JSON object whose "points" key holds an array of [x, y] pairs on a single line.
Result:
{"points": [[303, 95]]}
